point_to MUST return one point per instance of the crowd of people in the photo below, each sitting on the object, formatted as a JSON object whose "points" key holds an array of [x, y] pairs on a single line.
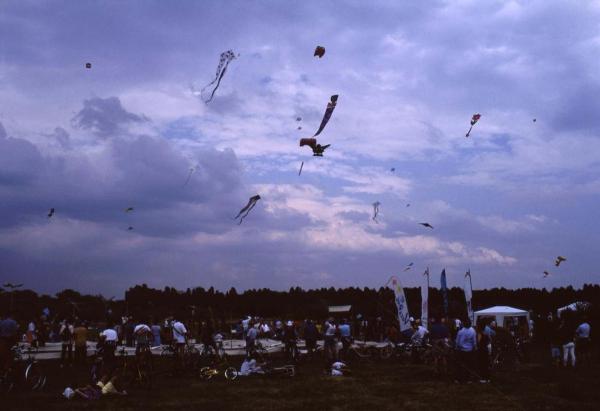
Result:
{"points": [[470, 350]]}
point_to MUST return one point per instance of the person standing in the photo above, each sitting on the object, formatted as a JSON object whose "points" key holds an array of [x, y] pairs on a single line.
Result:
{"points": [[156, 334], [251, 336], [568, 345], [330, 341], [345, 336], [466, 344], [483, 354], [582, 341], [80, 336], [311, 335], [66, 339], [8, 338]]}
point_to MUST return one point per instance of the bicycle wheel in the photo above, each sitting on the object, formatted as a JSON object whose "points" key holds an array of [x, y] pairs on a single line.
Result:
{"points": [[35, 379], [231, 374]]}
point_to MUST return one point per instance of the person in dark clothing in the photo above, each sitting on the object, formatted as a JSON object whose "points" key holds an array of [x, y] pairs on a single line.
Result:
{"points": [[290, 338], [483, 354], [66, 339], [311, 335], [206, 336]]}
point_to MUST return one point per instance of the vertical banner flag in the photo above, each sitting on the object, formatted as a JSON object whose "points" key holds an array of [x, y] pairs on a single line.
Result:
{"points": [[401, 306], [469, 295], [444, 291], [425, 300]]}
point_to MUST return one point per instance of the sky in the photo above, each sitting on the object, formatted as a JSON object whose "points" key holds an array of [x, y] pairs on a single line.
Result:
{"points": [[92, 142]]}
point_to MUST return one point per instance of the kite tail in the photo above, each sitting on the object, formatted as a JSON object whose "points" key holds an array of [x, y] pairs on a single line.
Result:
{"points": [[188, 178], [469, 132], [218, 83], [244, 216], [301, 165]]}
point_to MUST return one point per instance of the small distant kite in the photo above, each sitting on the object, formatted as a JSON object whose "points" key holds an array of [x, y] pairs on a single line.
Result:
{"points": [[88, 65], [559, 260], [299, 127], [408, 204], [317, 149], [51, 212], [187, 180], [546, 274], [128, 209], [474, 121], [408, 267], [426, 225], [130, 228], [376, 205], [328, 112], [301, 165], [251, 203], [319, 51], [393, 169], [298, 118], [534, 120], [224, 60]]}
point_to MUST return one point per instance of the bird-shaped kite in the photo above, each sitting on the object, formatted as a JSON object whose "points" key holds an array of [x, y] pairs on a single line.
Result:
{"points": [[88, 65], [559, 260], [474, 120], [426, 225], [251, 203], [51, 212], [317, 149], [408, 267], [11, 285], [546, 274], [376, 205], [319, 51]]}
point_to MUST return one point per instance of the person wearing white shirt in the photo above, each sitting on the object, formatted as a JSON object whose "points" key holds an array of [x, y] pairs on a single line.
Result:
{"points": [[143, 335], [179, 336], [107, 344]]}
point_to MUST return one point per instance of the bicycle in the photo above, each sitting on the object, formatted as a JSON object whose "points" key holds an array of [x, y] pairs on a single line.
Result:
{"points": [[207, 373], [33, 376], [140, 372]]}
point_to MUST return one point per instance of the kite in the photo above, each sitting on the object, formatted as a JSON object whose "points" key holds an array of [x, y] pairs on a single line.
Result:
{"points": [[316, 148], [427, 225], [11, 285], [301, 165], [319, 51], [130, 228], [559, 260], [192, 170], [393, 169], [51, 212], [474, 120], [88, 65], [408, 267], [251, 203], [328, 112], [376, 205], [546, 274], [128, 209], [224, 61], [534, 120], [298, 118], [299, 128]]}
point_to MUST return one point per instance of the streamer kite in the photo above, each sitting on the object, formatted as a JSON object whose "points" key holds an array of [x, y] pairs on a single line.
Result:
{"points": [[317, 149], [319, 51], [244, 211], [376, 205], [224, 60], [328, 112], [187, 180], [301, 165], [474, 121]]}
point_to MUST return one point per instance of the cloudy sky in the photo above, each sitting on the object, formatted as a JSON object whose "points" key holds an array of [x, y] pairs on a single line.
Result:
{"points": [[90, 143]]}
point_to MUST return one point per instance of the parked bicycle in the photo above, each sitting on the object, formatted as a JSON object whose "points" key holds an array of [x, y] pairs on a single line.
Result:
{"points": [[26, 371]]}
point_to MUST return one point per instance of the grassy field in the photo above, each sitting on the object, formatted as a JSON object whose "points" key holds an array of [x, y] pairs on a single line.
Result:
{"points": [[373, 385]]}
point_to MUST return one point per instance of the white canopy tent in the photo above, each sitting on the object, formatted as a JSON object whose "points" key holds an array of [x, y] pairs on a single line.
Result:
{"points": [[500, 313]]}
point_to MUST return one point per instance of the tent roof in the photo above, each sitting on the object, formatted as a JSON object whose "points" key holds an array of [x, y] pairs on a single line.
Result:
{"points": [[502, 310], [339, 308]]}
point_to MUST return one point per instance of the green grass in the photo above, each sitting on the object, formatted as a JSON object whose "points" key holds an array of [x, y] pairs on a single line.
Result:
{"points": [[372, 385]]}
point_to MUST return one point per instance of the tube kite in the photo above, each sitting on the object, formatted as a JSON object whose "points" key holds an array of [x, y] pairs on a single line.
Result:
{"points": [[328, 112], [474, 121], [244, 211], [224, 60], [376, 205]]}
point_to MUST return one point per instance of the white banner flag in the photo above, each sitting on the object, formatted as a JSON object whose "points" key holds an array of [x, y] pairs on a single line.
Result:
{"points": [[425, 300], [469, 296], [401, 306]]}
